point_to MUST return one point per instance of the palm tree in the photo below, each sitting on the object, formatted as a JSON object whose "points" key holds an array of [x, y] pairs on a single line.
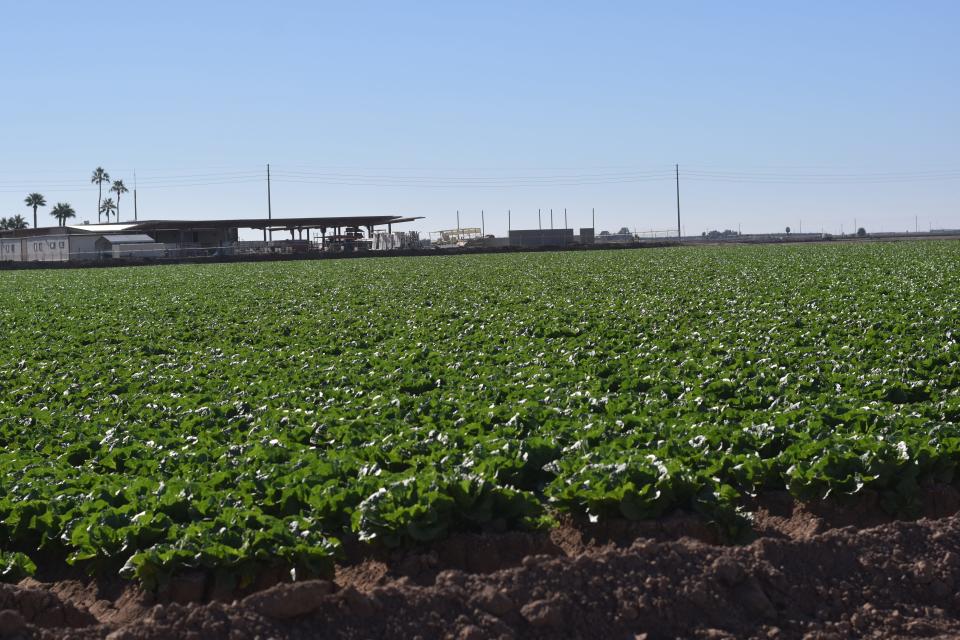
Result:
{"points": [[17, 222], [99, 177], [61, 211], [118, 188], [107, 207], [35, 200]]}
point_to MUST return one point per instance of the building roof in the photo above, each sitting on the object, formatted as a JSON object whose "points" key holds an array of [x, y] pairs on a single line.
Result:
{"points": [[246, 223], [315, 222], [102, 228], [126, 238]]}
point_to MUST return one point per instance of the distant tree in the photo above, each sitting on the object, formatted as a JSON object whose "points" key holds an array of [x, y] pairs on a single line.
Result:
{"points": [[35, 200], [118, 187], [98, 178], [604, 233], [61, 211], [107, 207], [788, 229], [16, 222], [861, 232], [624, 231]]}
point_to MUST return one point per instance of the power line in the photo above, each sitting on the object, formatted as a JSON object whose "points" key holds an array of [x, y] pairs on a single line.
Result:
{"points": [[497, 179], [469, 178]]}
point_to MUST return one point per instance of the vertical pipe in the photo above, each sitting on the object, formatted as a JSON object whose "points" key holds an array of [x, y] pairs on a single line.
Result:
{"points": [[269, 201], [134, 195], [679, 234]]}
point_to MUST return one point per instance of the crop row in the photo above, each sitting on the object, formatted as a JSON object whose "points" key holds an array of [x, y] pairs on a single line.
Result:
{"points": [[236, 417]]}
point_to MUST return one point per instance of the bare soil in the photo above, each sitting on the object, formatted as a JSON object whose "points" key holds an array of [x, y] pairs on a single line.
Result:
{"points": [[813, 571]]}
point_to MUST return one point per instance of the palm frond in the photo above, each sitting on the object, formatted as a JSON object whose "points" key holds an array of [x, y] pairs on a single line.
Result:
{"points": [[35, 200], [100, 176]]}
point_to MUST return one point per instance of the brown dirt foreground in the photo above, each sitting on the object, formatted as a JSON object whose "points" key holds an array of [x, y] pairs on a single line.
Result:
{"points": [[812, 572]]}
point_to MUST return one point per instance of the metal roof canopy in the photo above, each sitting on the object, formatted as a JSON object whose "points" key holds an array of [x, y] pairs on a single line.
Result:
{"points": [[248, 223]]}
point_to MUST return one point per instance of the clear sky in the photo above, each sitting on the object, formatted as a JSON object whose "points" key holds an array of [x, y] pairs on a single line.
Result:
{"points": [[779, 113]]}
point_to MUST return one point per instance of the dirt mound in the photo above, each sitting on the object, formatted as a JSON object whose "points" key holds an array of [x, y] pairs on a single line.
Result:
{"points": [[20, 605], [799, 579]]}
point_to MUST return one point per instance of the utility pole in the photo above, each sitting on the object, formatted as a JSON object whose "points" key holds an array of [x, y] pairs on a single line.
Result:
{"points": [[916, 224], [565, 225], [509, 226], [458, 225], [134, 195], [551, 219], [269, 202], [539, 222], [483, 225], [679, 235], [593, 218]]}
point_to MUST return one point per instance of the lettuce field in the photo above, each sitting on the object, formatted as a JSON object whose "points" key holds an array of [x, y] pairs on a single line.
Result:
{"points": [[229, 418]]}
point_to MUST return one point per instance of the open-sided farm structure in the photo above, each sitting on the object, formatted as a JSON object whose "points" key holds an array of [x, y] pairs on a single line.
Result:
{"points": [[198, 432], [152, 239]]}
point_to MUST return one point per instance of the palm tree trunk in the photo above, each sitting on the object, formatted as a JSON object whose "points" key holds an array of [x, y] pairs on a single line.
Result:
{"points": [[34, 216], [99, 196], [118, 206]]}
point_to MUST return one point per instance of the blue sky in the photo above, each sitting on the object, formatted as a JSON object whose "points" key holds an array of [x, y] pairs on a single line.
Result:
{"points": [[779, 113]]}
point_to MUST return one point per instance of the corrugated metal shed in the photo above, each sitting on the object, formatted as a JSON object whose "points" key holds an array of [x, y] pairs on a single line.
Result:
{"points": [[130, 238]]}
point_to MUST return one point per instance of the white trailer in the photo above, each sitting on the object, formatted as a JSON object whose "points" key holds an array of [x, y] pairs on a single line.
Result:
{"points": [[46, 248], [11, 249]]}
